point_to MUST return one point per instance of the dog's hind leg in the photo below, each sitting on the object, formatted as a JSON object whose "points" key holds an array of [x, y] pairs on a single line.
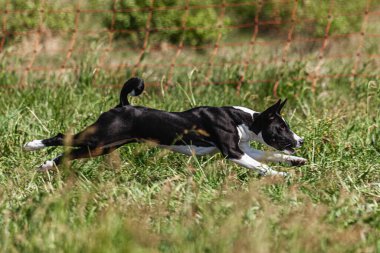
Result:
{"points": [[57, 140], [89, 137], [83, 152]]}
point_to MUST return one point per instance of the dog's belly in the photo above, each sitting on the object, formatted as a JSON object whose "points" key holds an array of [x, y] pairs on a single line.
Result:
{"points": [[191, 149]]}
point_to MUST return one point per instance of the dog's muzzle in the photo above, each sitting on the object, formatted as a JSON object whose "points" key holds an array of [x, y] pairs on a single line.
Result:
{"points": [[290, 148], [300, 142]]}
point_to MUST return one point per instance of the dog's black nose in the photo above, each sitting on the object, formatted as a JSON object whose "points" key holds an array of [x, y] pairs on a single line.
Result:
{"points": [[301, 141]]}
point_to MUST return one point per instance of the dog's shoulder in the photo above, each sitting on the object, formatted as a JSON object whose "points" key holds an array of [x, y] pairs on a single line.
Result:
{"points": [[245, 110], [240, 114]]}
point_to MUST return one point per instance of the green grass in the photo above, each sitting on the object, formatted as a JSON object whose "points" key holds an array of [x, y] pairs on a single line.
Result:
{"points": [[144, 199]]}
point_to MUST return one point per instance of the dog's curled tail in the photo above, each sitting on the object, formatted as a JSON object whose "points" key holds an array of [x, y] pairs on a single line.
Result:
{"points": [[133, 87]]}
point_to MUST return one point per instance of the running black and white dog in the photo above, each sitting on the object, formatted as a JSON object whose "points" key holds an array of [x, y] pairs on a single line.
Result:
{"points": [[198, 131]]}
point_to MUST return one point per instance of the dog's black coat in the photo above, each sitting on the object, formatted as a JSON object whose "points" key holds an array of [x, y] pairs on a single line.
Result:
{"points": [[200, 127]]}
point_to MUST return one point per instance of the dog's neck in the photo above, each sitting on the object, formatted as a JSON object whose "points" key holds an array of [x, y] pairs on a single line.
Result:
{"points": [[245, 133]]}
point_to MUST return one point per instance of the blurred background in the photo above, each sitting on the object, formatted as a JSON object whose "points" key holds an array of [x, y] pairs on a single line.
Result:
{"points": [[225, 42]]}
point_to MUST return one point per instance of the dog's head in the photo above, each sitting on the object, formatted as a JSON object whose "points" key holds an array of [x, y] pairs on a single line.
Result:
{"points": [[274, 130]]}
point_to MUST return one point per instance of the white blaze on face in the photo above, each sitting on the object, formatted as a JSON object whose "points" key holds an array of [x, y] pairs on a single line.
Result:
{"points": [[297, 139]]}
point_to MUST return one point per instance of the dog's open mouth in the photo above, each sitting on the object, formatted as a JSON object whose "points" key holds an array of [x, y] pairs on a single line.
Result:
{"points": [[289, 150]]}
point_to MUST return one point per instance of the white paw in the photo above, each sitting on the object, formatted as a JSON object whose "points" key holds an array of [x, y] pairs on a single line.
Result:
{"points": [[48, 165], [33, 145]]}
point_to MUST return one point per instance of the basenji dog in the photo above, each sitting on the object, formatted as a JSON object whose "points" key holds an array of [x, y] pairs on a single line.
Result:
{"points": [[199, 131]]}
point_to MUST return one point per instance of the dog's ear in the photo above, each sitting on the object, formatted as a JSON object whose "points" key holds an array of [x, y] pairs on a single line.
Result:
{"points": [[271, 111], [281, 105]]}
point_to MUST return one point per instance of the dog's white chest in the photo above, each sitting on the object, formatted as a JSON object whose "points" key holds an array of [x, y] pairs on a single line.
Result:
{"points": [[244, 133], [247, 135]]}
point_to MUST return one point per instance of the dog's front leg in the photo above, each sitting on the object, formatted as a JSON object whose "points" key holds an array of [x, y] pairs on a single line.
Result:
{"points": [[248, 162], [272, 156], [229, 146]]}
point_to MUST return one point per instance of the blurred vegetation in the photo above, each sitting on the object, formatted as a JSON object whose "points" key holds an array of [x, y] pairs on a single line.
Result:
{"points": [[312, 16], [161, 20], [28, 15], [202, 23], [346, 16]]}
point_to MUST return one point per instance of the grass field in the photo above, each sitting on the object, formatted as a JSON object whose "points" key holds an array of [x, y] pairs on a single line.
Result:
{"points": [[144, 199]]}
